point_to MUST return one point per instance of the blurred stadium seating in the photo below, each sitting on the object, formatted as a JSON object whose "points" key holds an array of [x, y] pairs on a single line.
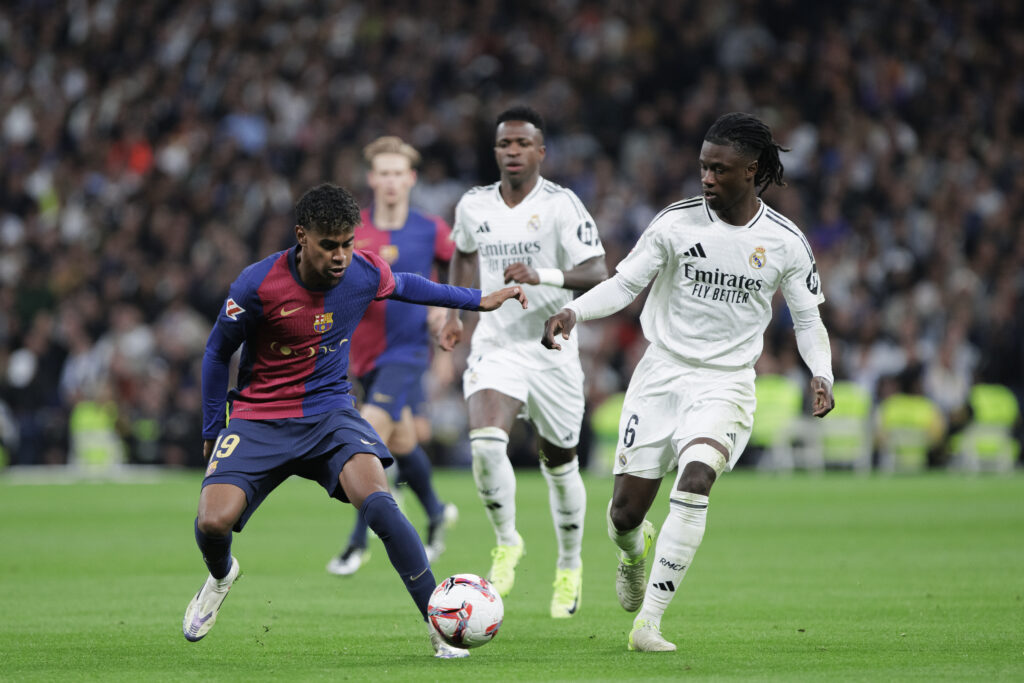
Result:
{"points": [[149, 150]]}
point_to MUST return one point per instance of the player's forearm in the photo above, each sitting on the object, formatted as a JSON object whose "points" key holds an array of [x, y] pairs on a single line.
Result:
{"points": [[415, 289], [605, 298], [581, 277], [462, 272], [812, 342]]}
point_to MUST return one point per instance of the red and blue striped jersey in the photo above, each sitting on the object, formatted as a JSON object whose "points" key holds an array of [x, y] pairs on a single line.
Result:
{"points": [[395, 331], [295, 340]]}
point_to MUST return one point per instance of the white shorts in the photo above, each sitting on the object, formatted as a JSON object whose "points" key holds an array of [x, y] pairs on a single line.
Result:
{"points": [[552, 397], [668, 404]]}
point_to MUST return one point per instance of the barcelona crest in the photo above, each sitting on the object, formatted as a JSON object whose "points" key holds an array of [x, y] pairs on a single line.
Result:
{"points": [[389, 252], [323, 321]]}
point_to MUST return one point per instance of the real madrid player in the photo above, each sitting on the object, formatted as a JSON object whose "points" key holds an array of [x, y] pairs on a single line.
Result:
{"points": [[716, 260], [293, 314], [529, 230]]}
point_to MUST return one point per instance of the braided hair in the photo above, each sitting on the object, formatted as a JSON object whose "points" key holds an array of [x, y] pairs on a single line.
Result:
{"points": [[749, 136]]}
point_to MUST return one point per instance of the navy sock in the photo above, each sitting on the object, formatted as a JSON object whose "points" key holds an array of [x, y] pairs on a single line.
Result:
{"points": [[414, 467], [216, 552], [358, 536], [405, 550]]}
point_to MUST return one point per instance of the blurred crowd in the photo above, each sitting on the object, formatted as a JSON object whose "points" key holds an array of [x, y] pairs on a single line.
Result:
{"points": [[151, 149]]}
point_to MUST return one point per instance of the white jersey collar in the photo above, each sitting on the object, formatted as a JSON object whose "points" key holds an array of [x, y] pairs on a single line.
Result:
{"points": [[534, 192], [761, 207]]}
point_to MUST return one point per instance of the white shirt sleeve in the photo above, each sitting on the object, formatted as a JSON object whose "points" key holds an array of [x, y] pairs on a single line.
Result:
{"points": [[812, 342], [603, 299], [462, 233], [578, 232], [634, 273]]}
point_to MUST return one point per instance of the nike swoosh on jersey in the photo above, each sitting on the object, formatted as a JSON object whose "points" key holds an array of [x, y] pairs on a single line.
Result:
{"points": [[287, 312]]}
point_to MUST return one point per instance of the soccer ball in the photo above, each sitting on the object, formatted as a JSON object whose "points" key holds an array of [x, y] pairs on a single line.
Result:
{"points": [[466, 610]]}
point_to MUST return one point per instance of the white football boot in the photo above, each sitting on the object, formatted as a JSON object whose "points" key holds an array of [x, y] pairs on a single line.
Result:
{"points": [[201, 613], [442, 649]]}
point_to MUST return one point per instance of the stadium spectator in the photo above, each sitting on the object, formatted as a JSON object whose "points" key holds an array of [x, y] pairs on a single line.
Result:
{"points": [[137, 139]]}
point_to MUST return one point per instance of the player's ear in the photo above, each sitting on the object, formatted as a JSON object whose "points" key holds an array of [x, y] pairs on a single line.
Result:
{"points": [[300, 235], [752, 169]]}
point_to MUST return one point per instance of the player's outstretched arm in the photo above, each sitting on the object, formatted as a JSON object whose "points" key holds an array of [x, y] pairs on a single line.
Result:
{"points": [[824, 401], [580, 278], [489, 302], [561, 322]]}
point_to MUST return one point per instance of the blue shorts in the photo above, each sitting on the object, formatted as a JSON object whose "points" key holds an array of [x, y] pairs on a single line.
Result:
{"points": [[257, 455], [393, 387]]}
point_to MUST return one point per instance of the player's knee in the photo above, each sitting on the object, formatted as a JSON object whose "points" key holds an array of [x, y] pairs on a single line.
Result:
{"points": [[216, 523], [697, 477], [701, 463], [624, 516]]}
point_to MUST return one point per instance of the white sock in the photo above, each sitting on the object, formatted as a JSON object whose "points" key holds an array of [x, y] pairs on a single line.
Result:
{"points": [[568, 500], [678, 541], [495, 480], [630, 541]]}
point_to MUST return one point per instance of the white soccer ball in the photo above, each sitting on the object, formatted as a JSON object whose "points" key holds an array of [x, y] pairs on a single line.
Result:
{"points": [[466, 610]]}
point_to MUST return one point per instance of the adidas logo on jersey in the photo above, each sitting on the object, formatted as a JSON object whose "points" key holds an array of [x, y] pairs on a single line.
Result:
{"points": [[696, 250], [483, 228]]}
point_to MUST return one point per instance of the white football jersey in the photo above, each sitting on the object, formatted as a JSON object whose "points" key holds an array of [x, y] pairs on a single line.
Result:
{"points": [[550, 228], [712, 295]]}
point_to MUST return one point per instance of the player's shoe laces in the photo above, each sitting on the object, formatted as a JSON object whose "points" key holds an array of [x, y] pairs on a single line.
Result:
{"points": [[349, 561], [568, 593], [630, 583], [443, 650], [201, 613], [646, 637], [438, 529], [504, 559]]}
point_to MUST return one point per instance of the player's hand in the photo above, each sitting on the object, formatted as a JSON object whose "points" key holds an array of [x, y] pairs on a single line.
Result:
{"points": [[450, 333], [522, 273], [489, 302], [563, 322], [436, 317], [208, 449], [824, 402]]}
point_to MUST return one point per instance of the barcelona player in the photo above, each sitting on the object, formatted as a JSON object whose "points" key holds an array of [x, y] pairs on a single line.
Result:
{"points": [[390, 347], [293, 314]]}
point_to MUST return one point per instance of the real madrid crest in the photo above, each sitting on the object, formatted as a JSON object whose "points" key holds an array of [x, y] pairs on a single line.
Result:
{"points": [[758, 258], [533, 225]]}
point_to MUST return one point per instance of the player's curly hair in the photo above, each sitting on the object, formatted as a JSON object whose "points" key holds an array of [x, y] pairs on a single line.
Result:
{"points": [[753, 139], [327, 209], [522, 112]]}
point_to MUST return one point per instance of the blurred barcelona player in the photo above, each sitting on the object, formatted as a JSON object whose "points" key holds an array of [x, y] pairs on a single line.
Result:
{"points": [[391, 346], [291, 413]]}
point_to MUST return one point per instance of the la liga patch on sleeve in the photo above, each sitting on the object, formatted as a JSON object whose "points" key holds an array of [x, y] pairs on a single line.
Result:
{"points": [[232, 310]]}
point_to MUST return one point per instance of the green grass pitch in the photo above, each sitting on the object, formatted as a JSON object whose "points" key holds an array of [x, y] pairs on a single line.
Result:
{"points": [[799, 578]]}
